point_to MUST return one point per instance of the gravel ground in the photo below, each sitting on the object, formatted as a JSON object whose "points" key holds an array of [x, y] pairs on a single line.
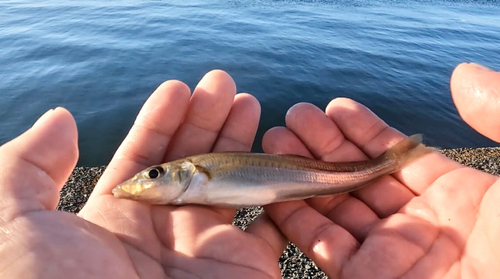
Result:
{"points": [[293, 263]]}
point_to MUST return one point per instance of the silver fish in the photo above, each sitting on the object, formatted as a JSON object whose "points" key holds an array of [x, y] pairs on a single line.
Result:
{"points": [[250, 179]]}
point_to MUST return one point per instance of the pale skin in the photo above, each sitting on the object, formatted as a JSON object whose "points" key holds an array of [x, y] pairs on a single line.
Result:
{"points": [[434, 219]]}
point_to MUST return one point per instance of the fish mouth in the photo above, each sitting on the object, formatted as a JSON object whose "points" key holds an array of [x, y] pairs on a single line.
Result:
{"points": [[151, 197], [118, 192]]}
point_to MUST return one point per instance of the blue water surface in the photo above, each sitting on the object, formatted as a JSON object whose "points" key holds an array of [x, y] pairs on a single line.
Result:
{"points": [[101, 59]]}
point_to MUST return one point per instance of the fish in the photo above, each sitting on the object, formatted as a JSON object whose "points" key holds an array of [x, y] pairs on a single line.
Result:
{"points": [[240, 179]]}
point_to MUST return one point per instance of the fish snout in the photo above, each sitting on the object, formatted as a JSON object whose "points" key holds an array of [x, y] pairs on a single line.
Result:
{"points": [[119, 192]]}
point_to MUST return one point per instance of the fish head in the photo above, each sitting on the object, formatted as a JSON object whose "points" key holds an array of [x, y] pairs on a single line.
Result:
{"points": [[159, 184]]}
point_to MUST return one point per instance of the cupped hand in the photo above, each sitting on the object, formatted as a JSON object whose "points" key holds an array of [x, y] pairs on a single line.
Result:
{"points": [[114, 238], [433, 219]]}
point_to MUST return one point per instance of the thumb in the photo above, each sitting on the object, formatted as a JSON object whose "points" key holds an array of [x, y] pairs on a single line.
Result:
{"points": [[476, 94], [35, 165]]}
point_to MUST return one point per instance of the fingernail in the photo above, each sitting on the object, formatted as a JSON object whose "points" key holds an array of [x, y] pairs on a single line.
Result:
{"points": [[481, 67], [43, 117]]}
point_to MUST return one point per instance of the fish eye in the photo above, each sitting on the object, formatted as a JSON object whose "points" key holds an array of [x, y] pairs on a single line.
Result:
{"points": [[155, 172]]}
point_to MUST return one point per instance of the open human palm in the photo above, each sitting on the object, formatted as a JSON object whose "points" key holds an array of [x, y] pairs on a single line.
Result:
{"points": [[434, 219], [113, 238]]}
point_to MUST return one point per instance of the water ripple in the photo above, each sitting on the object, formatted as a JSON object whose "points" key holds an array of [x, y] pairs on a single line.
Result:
{"points": [[101, 60]]}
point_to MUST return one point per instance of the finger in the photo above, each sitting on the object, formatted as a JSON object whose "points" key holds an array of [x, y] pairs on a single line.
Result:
{"points": [[36, 164], [208, 109], [280, 140], [338, 208], [363, 128], [326, 243], [320, 134], [238, 132], [266, 230], [147, 141], [326, 141], [476, 94]]}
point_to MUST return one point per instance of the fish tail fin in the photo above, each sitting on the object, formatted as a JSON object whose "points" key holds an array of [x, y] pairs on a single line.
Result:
{"points": [[406, 151]]}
